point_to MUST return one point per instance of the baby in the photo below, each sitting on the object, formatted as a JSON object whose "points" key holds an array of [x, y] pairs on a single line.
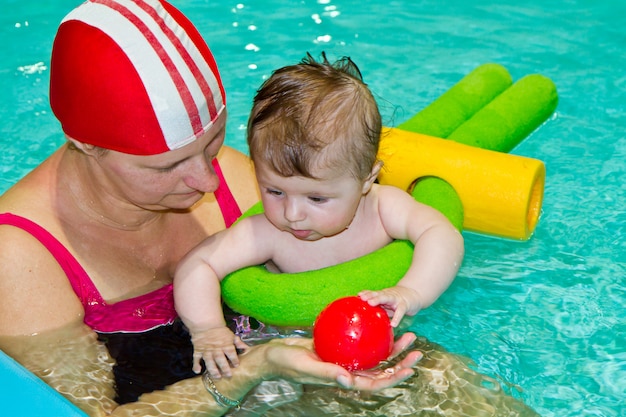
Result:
{"points": [[313, 136]]}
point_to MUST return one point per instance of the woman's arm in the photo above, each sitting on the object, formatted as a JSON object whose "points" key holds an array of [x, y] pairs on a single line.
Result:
{"points": [[295, 360], [73, 362]]}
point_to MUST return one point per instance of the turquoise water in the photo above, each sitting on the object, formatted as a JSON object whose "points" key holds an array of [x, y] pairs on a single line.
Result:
{"points": [[545, 317]]}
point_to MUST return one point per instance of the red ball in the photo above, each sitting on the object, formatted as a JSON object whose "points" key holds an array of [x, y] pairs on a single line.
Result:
{"points": [[353, 334]]}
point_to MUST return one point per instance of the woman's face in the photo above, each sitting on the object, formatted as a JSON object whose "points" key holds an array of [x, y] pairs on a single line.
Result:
{"points": [[172, 180]]}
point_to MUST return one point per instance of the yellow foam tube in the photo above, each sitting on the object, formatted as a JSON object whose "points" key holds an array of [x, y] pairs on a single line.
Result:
{"points": [[501, 193]]}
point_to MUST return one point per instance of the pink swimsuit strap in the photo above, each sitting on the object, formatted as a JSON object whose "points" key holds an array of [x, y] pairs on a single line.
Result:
{"points": [[228, 206], [133, 315]]}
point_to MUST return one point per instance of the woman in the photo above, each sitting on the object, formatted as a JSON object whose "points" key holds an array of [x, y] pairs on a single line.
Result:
{"points": [[89, 240]]}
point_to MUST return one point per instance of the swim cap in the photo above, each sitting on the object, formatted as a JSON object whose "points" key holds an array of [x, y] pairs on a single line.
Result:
{"points": [[134, 76]]}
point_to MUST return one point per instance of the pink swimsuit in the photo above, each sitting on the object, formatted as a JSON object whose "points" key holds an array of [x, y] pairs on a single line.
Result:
{"points": [[138, 314]]}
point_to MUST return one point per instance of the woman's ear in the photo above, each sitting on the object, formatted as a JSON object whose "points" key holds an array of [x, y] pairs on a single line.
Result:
{"points": [[372, 176], [85, 148]]}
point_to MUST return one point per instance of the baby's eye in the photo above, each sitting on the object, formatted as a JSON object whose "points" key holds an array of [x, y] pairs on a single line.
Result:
{"points": [[273, 192], [318, 200]]}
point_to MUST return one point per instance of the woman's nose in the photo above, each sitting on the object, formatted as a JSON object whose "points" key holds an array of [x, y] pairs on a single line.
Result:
{"points": [[201, 176]]}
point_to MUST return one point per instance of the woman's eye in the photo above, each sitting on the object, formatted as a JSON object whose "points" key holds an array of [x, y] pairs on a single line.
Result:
{"points": [[167, 169]]}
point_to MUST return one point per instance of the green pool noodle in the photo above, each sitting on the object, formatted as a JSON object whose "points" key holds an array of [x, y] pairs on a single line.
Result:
{"points": [[439, 194], [503, 123], [296, 299], [461, 102]]}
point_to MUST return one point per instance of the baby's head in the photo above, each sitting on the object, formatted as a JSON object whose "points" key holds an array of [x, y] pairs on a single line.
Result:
{"points": [[313, 117]]}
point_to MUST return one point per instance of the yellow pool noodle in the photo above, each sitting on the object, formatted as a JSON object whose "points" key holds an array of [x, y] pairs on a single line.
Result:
{"points": [[500, 125], [501, 193]]}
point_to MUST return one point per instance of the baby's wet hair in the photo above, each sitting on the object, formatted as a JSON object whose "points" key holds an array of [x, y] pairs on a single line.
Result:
{"points": [[315, 115]]}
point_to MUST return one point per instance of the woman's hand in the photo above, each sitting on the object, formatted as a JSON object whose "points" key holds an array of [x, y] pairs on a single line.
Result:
{"points": [[295, 359]]}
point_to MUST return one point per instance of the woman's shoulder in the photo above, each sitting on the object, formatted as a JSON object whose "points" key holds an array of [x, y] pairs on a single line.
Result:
{"points": [[36, 293]]}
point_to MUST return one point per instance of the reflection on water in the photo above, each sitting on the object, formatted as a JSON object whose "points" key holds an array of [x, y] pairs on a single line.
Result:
{"points": [[71, 360], [444, 385]]}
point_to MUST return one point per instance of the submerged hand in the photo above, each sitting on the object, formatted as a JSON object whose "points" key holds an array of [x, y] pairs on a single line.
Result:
{"points": [[218, 348], [295, 359]]}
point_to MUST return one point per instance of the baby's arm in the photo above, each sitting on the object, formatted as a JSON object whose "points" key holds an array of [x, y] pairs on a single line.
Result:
{"points": [[197, 293], [197, 298], [437, 255]]}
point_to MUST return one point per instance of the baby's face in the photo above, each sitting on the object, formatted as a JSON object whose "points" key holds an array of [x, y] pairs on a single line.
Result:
{"points": [[309, 208]]}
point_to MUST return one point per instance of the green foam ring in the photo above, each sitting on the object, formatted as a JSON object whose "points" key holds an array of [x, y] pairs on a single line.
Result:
{"points": [[439, 194], [507, 120], [295, 300], [461, 102]]}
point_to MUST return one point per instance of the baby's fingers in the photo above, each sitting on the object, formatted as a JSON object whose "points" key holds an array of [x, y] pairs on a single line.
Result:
{"points": [[240, 344], [211, 365], [367, 295], [228, 359], [223, 360], [196, 368], [375, 298], [397, 315]]}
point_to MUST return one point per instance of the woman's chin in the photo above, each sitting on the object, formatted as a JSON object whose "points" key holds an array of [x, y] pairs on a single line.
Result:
{"points": [[182, 201]]}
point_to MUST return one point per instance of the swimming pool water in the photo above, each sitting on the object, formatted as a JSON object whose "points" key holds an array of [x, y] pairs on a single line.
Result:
{"points": [[544, 317]]}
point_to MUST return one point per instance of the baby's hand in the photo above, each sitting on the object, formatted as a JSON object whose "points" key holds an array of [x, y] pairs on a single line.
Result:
{"points": [[397, 300], [218, 348]]}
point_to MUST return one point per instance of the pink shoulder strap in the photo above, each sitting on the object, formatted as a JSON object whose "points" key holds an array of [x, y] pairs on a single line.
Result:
{"points": [[230, 210], [78, 278]]}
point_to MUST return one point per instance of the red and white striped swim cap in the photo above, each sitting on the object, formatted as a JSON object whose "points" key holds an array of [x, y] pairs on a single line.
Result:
{"points": [[133, 76]]}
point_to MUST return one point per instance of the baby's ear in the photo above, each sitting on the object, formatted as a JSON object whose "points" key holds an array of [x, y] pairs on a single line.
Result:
{"points": [[372, 176]]}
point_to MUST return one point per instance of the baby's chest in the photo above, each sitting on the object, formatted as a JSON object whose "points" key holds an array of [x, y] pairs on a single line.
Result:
{"points": [[307, 256]]}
